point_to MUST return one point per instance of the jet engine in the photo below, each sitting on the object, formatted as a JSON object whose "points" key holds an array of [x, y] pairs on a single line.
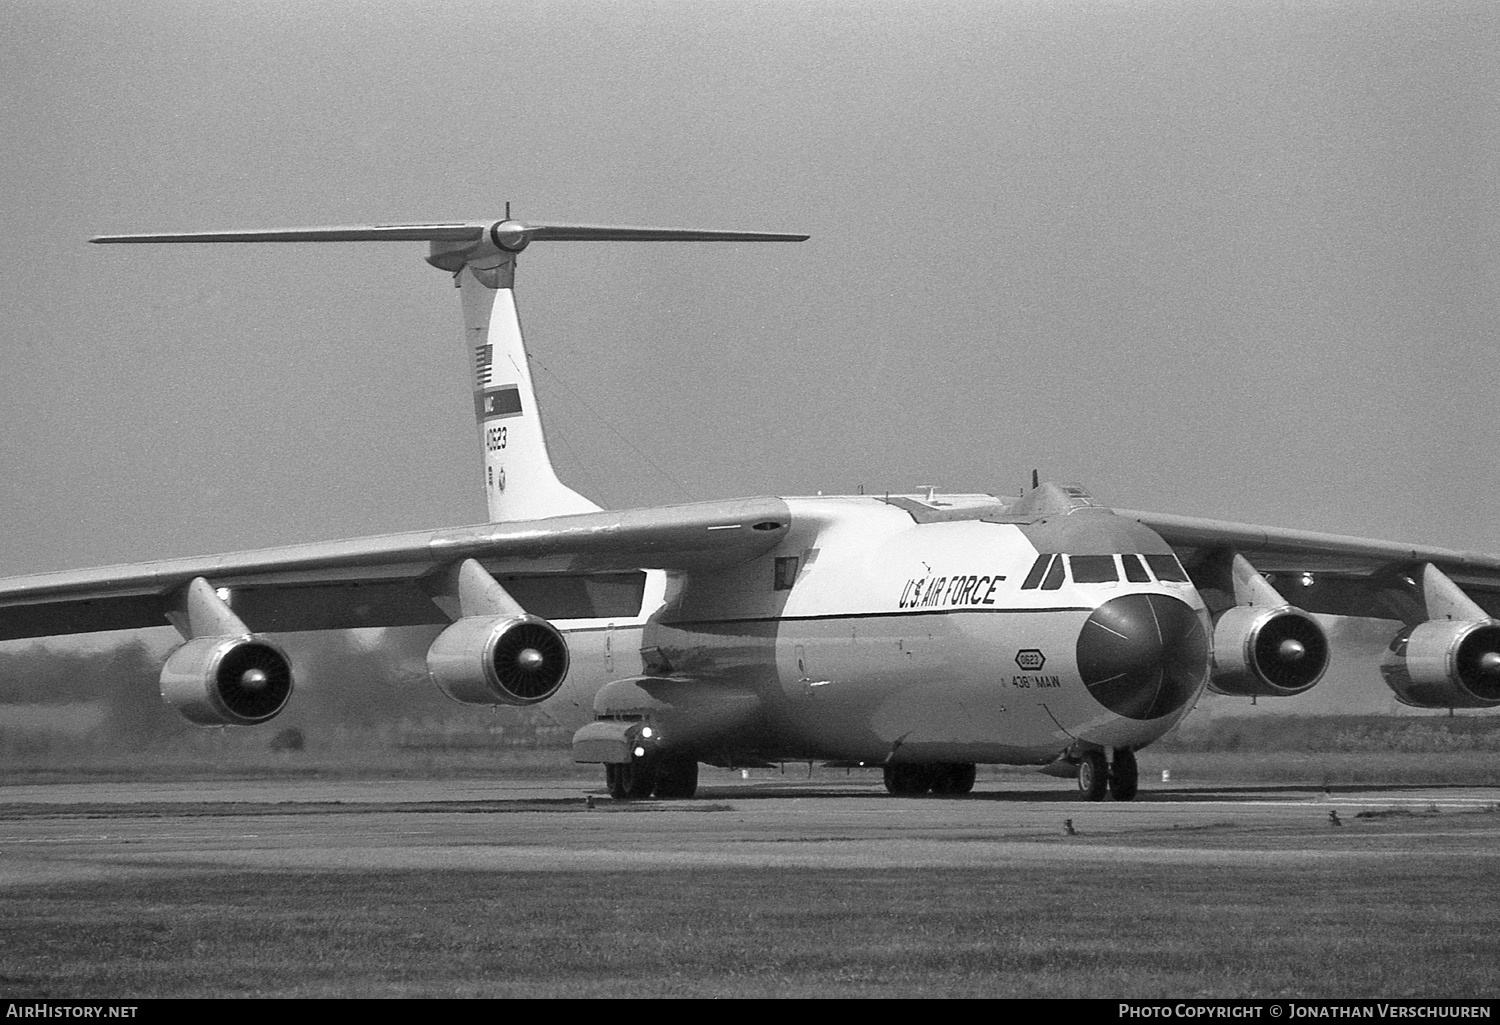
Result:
{"points": [[227, 681], [1267, 652], [1445, 664], [507, 660]]}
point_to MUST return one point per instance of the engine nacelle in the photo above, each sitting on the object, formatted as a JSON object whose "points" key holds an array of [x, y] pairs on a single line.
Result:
{"points": [[1267, 652], [508, 660], [227, 681], [1445, 664]]}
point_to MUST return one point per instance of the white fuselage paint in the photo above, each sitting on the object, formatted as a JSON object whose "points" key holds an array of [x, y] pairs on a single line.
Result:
{"points": [[897, 640]]}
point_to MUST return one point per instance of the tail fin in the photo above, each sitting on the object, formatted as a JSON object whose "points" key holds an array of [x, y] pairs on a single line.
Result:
{"points": [[520, 482]]}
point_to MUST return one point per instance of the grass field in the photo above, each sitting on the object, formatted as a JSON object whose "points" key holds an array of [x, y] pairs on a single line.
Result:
{"points": [[1051, 931], [1347, 927]]}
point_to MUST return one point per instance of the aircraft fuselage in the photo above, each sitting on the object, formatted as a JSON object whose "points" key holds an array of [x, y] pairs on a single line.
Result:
{"points": [[869, 635]]}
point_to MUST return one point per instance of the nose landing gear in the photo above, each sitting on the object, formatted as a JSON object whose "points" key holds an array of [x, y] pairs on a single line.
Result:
{"points": [[1121, 778], [1124, 776]]}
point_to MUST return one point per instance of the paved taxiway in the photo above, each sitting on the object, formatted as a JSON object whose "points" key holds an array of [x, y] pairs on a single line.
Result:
{"points": [[85, 831]]}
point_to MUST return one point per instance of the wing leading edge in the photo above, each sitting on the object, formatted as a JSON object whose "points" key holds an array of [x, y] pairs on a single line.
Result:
{"points": [[380, 581], [1300, 546], [1339, 574]]}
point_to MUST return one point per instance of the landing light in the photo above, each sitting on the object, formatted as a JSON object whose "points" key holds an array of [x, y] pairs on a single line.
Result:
{"points": [[640, 752], [647, 732], [1307, 580], [222, 592]]}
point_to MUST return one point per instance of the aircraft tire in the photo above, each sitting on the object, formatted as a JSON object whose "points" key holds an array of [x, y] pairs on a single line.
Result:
{"points": [[638, 779], [677, 779], [1124, 776], [953, 778], [614, 779], [908, 780], [1093, 776]]}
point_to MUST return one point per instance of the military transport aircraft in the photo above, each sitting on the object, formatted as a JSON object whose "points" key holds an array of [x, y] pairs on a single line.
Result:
{"points": [[922, 633]]}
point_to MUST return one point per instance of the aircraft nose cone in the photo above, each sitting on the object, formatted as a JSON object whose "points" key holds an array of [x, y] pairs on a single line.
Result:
{"points": [[1143, 656]]}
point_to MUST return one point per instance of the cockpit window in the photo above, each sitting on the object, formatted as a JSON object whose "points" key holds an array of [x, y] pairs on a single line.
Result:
{"points": [[1166, 567], [1037, 569], [1050, 571], [1093, 569]]}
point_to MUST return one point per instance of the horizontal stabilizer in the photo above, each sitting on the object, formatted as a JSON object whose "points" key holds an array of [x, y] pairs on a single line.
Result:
{"points": [[361, 233], [605, 233], [510, 235]]}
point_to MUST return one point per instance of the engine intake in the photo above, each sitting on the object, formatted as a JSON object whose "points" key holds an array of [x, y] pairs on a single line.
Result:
{"points": [[1267, 652], [1445, 664], [508, 660], [227, 681]]}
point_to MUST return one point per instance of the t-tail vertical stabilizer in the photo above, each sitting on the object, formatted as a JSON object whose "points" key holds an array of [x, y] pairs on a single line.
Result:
{"points": [[520, 482]]}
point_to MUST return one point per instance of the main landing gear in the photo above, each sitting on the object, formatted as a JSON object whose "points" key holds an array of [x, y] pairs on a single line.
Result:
{"points": [[667, 778], [943, 778], [1121, 778]]}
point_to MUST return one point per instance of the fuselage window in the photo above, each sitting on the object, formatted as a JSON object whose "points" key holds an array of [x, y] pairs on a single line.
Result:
{"points": [[1134, 571], [1093, 569], [1037, 569], [1166, 567], [1054, 575]]}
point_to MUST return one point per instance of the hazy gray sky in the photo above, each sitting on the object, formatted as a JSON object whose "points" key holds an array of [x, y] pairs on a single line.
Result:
{"points": [[1228, 259]]}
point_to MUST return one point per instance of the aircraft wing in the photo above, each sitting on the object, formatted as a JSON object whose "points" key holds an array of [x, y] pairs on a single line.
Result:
{"points": [[382, 580], [1334, 573]]}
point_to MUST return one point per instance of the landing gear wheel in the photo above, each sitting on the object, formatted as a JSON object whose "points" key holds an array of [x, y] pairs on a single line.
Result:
{"points": [[1093, 776], [953, 778], [677, 779], [1124, 776], [895, 781], [632, 781], [908, 780]]}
